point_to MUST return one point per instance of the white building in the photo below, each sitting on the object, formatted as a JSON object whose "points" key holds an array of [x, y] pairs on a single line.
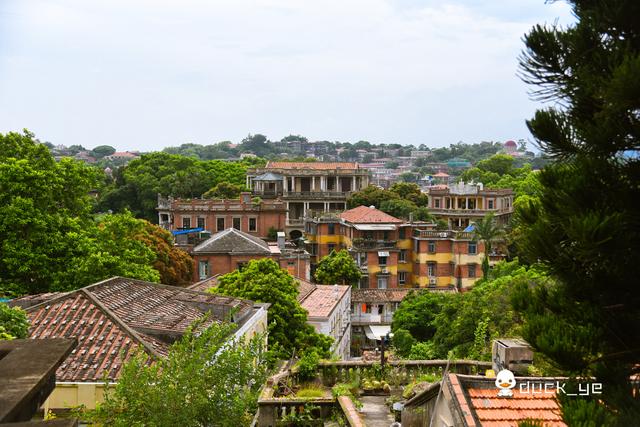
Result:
{"points": [[329, 308]]}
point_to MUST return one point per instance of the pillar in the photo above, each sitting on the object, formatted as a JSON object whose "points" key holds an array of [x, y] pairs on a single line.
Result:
{"points": [[313, 183], [353, 183]]}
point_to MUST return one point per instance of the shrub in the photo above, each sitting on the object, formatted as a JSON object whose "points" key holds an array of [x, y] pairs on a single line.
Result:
{"points": [[308, 366]]}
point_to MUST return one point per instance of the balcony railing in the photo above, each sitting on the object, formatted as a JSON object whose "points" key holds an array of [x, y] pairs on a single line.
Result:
{"points": [[445, 234], [295, 221], [371, 318], [463, 211], [360, 243], [316, 194]]}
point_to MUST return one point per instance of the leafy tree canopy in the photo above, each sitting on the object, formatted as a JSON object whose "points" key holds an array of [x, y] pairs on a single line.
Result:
{"points": [[102, 150], [402, 200], [13, 322], [338, 268], [264, 281], [224, 190], [584, 226]]}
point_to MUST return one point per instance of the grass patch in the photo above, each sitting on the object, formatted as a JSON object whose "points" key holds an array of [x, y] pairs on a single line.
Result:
{"points": [[310, 391]]}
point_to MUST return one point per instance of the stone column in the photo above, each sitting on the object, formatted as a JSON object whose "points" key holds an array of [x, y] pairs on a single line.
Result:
{"points": [[285, 187], [353, 183], [313, 183]]}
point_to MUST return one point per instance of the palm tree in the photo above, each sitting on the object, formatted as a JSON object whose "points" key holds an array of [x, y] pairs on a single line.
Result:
{"points": [[488, 231]]}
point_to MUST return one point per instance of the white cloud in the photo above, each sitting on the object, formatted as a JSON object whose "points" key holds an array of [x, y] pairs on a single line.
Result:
{"points": [[146, 74]]}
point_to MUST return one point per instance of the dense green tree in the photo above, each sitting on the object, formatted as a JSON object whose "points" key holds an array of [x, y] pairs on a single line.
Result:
{"points": [[224, 190], [410, 191], [13, 322], [417, 312], [402, 342], [392, 164], [264, 281], [501, 164], [584, 227], [138, 184], [370, 196], [102, 150], [487, 231], [399, 208], [338, 268], [207, 379], [44, 210]]}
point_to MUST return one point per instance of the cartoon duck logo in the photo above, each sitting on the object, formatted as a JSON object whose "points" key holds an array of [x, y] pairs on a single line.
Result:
{"points": [[505, 381]]}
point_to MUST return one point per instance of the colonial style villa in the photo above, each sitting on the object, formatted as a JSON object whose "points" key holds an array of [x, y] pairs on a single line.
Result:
{"points": [[307, 187], [463, 203]]}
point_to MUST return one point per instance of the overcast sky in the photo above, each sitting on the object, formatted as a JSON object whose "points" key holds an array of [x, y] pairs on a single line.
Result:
{"points": [[146, 74]]}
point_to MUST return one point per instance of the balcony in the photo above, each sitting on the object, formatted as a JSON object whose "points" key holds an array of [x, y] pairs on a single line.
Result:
{"points": [[316, 195], [295, 222], [471, 212], [371, 319], [365, 244], [444, 234]]}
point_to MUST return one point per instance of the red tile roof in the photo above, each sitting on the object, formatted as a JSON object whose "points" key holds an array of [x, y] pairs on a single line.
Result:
{"points": [[378, 295], [114, 316], [104, 343], [312, 165], [304, 288], [323, 299], [368, 215], [477, 397]]}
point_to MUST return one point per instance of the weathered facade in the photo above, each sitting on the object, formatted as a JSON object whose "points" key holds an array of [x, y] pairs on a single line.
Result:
{"points": [[250, 215], [463, 203], [392, 253], [306, 187]]}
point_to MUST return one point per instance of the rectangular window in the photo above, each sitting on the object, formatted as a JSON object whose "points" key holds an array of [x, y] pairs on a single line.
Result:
{"points": [[436, 203], [472, 270], [432, 247], [364, 282], [382, 260], [331, 228], [203, 269], [385, 235], [331, 247], [253, 224], [382, 283], [402, 277], [473, 248], [431, 269], [236, 223], [489, 204], [367, 308], [186, 222], [219, 224], [380, 309], [402, 256], [201, 223], [416, 246], [402, 233]]}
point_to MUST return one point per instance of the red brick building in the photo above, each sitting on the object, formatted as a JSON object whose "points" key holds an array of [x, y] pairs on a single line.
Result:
{"points": [[250, 215], [231, 249]]}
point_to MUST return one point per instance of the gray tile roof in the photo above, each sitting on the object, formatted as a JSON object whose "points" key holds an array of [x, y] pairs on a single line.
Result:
{"points": [[232, 241]]}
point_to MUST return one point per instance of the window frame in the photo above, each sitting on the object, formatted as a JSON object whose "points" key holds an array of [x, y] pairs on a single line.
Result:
{"points": [[233, 222], [253, 229]]}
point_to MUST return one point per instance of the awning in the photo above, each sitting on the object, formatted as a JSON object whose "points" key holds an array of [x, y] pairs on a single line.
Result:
{"points": [[376, 332], [383, 253], [191, 230], [375, 227], [470, 228]]}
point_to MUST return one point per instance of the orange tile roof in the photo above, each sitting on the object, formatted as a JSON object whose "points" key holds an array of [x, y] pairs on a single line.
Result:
{"points": [[312, 165], [477, 396], [305, 287], [323, 299], [368, 215], [379, 295]]}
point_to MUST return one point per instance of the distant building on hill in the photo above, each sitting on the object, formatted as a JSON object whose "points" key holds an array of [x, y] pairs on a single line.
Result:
{"points": [[123, 155]]}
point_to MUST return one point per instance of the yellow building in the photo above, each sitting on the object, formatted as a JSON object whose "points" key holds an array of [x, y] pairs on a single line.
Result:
{"points": [[112, 318]]}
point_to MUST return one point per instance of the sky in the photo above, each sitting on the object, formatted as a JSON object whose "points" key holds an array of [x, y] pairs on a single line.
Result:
{"points": [[147, 74]]}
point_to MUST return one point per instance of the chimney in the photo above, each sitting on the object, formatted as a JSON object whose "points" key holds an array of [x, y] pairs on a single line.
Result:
{"points": [[513, 354], [281, 240], [245, 197], [335, 291]]}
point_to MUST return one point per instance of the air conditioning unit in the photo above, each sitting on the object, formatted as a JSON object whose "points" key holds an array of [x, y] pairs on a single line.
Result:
{"points": [[433, 281]]}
